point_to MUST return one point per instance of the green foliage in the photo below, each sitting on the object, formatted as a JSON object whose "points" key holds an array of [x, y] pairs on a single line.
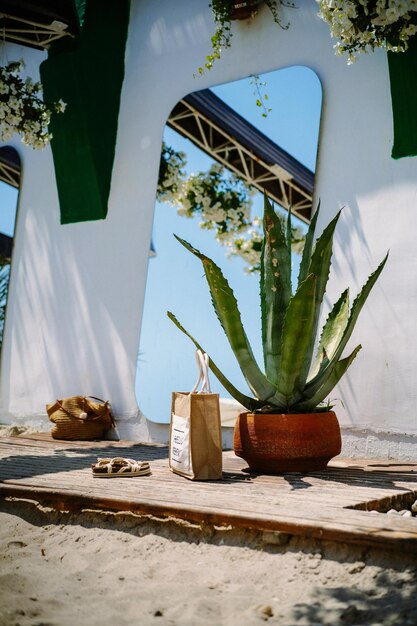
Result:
{"points": [[222, 12], [296, 380], [221, 200], [222, 36], [261, 97], [22, 108]]}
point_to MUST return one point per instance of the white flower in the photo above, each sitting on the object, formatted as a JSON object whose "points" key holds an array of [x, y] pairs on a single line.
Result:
{"points": [[411, 30], [60, 106], [7, 133], [362, 25], [22, 111]]}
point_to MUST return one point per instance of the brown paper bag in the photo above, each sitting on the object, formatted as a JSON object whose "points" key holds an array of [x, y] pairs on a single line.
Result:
{"points": [[195, 449]]}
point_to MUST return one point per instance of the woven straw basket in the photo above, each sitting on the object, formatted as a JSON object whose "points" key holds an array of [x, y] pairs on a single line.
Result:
{"points": [[79, 418]]}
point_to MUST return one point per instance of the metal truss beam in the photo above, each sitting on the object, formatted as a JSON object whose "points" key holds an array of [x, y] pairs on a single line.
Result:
{"points": [[242, 157], [27, 32], [10, 174]]}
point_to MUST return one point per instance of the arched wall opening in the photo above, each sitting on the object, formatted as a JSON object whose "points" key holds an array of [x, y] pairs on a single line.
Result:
{"points": [[175, 282]]}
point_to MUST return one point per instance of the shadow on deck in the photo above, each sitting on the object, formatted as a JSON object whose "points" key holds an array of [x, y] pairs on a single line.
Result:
{"points": [[332, 505]]}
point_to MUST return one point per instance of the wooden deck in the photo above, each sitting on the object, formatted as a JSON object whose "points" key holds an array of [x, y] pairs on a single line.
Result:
{"points": [[332, 505]]}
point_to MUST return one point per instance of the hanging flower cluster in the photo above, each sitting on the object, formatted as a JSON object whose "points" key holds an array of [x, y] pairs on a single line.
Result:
{"points": [[21, 109], [224, 11], [249, 246], [171, 174], [221, 200], [362, 25]]}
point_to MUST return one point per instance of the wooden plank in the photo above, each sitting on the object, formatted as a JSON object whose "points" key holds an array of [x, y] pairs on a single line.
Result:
{"points": [[395, 533], [319, 491], [329, 483], [312, 505], [162, 479], [211, 492]]}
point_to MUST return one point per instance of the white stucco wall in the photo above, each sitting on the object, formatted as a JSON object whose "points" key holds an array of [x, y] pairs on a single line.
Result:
{"points": [[77, 291]]}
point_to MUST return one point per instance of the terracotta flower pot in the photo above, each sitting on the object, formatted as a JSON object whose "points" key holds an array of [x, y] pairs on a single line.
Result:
{"points": [[243, 9], [278, 443]]}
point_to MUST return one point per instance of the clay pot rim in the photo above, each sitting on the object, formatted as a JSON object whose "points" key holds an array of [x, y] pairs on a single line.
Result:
{"points": [[274, 415]]}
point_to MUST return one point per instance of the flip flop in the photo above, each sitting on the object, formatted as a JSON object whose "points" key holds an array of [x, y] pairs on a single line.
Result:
{"points": [[120, 467]]}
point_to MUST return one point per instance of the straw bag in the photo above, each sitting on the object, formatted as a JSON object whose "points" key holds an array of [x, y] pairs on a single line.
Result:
{"points": [[195, 442], [80, 418]]}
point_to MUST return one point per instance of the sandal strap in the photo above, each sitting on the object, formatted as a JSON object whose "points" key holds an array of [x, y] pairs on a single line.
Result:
{"points": [[119, 465]]}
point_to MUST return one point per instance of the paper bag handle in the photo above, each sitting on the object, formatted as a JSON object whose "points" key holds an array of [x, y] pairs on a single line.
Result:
{"points": [[203, 376]]}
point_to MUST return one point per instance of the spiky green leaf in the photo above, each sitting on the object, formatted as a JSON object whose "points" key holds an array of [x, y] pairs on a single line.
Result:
{"points": [[320, 267], [330, 382], [250, 403], [296, 338], [275, 284], [225, 305], [308, 247], [332, 332], [327, 368]]}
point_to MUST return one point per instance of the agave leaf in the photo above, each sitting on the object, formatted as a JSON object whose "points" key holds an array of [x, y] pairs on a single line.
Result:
{"points": [[250, 403], [227, 311], [332, 380], [332, 332], [308, 247], [288, 234], [326, 369], [320, 267], [296, 337], [275, 283]]}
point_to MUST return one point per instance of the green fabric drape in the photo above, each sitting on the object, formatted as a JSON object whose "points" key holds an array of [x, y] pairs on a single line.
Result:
{"points": [[87, 74], [80, 8], [403, 79]]}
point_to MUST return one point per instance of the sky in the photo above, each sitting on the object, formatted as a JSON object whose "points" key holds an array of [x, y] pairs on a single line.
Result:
{"points": [[176, 282], [166, 360], [8, 201]]}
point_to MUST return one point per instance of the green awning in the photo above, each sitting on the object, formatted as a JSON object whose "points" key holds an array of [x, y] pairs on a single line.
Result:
{"points": [[403, 79], [87, 74]]}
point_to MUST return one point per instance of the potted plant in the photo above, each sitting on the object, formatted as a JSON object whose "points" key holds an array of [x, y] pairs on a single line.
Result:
{"points": [[243, 9], [225, 11], [287, 426]]}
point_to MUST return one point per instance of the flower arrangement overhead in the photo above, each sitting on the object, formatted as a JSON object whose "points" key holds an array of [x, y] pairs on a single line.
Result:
{"points": [[221, 200], [22, 111], [363, 25], [224, 12], [289, 426]]}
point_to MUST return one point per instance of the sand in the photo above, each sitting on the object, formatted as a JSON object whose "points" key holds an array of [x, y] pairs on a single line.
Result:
{"points": [[100, 569]]}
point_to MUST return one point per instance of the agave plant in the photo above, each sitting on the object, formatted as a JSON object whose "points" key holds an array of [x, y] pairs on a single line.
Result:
{"points": [[297, 377]]}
